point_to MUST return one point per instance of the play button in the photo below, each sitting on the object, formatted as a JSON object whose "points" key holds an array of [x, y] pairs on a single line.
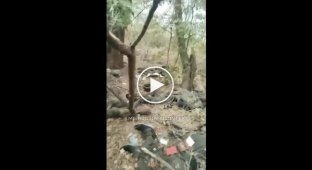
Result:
{"points": [[155, 85]]}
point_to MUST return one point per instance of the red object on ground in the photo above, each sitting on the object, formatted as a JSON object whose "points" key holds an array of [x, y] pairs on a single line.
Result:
{"points": [[171, 150]]}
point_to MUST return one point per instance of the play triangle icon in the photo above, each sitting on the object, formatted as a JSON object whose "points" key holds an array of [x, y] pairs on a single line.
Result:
{"points": [[154, 85]]}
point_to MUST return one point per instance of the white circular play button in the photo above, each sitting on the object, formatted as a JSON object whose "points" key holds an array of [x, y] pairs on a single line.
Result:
{"points": [[155, 85]]}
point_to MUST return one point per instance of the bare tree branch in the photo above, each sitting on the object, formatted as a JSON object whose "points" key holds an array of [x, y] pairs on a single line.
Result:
{"points": [[147, 22], [140, 12], [176, 61], [165, 29], [117, 44]]}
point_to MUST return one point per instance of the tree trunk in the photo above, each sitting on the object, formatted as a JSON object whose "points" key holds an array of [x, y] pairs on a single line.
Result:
{"points": [[193, 68], [169, 46], [131, 74], [182, 45], [129, 51], [114, 57]]}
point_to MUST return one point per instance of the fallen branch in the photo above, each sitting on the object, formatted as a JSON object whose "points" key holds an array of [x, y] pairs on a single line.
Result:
{"points": [[157, 158]]}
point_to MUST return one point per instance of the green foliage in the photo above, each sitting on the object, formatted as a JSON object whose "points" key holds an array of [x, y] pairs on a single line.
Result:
{"points": [[192, 26], [156, 39], [120, 12]]}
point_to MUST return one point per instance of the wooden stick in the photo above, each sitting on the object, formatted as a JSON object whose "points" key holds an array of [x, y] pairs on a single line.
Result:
{"points": [[157, 158]]}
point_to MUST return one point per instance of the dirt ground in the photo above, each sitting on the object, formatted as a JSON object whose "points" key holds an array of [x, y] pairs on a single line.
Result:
{"points": [[119, 129]]}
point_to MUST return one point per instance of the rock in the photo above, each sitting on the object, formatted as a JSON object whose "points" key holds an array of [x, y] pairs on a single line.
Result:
{"points": [[110, 101], [140, 69], [146, 87], [128, 156], [144, 112], [189, 100], [165, 66], [203, 128], [122, 151], [115, 73], [117, 112]]}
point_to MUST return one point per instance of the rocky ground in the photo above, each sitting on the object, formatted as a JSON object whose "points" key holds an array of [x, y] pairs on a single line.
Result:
{"points": [[120, 131]]}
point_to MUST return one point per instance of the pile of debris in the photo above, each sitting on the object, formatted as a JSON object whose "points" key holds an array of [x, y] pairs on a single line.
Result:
{"points": [[170, 152], [117, 97]]}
